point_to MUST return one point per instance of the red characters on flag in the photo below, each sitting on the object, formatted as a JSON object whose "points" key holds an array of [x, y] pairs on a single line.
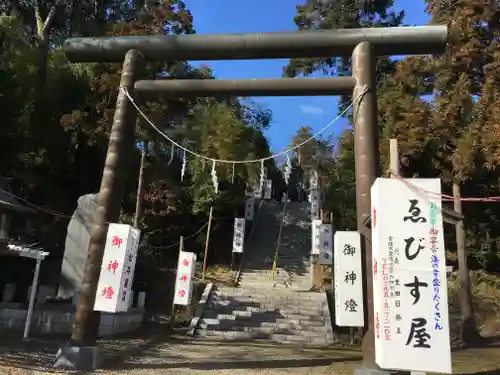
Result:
{"points": [[116, 241], [183, 278], [181, 293], [185, 263], [108, 292], [113, 265]]}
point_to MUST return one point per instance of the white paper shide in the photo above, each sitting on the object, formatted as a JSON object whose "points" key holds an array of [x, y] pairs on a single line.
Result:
{"points": [[409, 276], [348, 279], [117, 270], [249, 208], [238, 235], [326, 244], [184, 283]]}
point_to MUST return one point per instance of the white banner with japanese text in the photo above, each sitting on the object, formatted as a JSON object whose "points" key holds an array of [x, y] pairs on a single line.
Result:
{"points": [[186, 268], [409, 276], [348, 278], [268, 189], [313, 180], [316, 237], [238, 235], [249, 208], [314, 200], [114, 288], [326, 244]]}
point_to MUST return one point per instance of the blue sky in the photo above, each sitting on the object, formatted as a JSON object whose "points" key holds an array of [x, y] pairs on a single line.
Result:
{"points": [[289, 113]]}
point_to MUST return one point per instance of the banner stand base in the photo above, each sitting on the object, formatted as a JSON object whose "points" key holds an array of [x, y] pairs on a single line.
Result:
{"points": [[370, 371], [83, 358]]}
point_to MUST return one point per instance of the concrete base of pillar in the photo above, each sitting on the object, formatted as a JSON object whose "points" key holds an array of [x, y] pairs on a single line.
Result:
{"points": [[83, 358], [369, 371]]}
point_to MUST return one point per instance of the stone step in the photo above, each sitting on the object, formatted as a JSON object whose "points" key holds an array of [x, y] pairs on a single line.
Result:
{"points": [[301, 325], [280, 286], [255, 292], [264, 284], [274, 337], [266, 303], [264, 329], [278, 296], [255, 305], [273, 296], [236, 316], [270, 307], [258, 311], [267, 317], [284, 285], [264, 277]]}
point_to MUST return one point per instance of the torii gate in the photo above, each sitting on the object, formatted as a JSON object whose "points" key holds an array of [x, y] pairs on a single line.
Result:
{"points": [[363, 44]]}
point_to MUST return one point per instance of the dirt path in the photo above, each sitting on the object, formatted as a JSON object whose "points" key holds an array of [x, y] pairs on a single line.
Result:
{"points": [[191, 357], [181, 356]]}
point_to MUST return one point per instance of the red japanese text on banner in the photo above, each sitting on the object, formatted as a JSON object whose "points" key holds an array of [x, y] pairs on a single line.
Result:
{"points": [[117, 270]]}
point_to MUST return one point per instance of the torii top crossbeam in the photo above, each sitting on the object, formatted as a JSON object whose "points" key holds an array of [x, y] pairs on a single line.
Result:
{"points": [[413, 40]]}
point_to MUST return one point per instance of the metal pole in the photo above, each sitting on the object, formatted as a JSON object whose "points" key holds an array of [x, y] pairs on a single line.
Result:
{"points": [[367, 161], [206, 243], [34, 287], [121, 142]]}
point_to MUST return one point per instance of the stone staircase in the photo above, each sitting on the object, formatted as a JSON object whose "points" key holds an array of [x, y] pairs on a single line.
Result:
{"points": [[279, 309]]}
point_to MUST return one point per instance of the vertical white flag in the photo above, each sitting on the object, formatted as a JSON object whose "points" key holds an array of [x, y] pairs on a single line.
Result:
{"points": [[348, 278], [117, 268], [249, 208], [239, 235], [316, 237], [326, 244], [268, 190], [184, 282]]}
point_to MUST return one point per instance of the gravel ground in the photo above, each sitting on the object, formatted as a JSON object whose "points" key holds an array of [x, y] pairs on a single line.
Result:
{"points": [[178, 355]]}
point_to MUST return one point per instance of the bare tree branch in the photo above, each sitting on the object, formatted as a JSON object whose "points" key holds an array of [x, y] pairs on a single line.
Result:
{"points": [[50, 17]]}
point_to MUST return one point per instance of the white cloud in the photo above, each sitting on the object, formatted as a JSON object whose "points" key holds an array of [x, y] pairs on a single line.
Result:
{"points": [[311, 109]]}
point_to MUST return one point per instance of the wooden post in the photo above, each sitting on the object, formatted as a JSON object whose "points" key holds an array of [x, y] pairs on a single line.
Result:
{"points": [[394, 157], [121, 143], [206, 243], [469, 331]]}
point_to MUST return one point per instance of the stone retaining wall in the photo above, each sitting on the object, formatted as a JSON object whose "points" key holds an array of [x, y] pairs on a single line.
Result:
{"points": [[60, 321]]}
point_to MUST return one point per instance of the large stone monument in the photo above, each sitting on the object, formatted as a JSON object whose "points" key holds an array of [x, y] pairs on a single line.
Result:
{"points": [[76, 246]]}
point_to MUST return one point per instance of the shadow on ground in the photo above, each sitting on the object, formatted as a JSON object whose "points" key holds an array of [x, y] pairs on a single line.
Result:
{"points": [[237, 354], [38, 352], [161, 351], [235, 365]]}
